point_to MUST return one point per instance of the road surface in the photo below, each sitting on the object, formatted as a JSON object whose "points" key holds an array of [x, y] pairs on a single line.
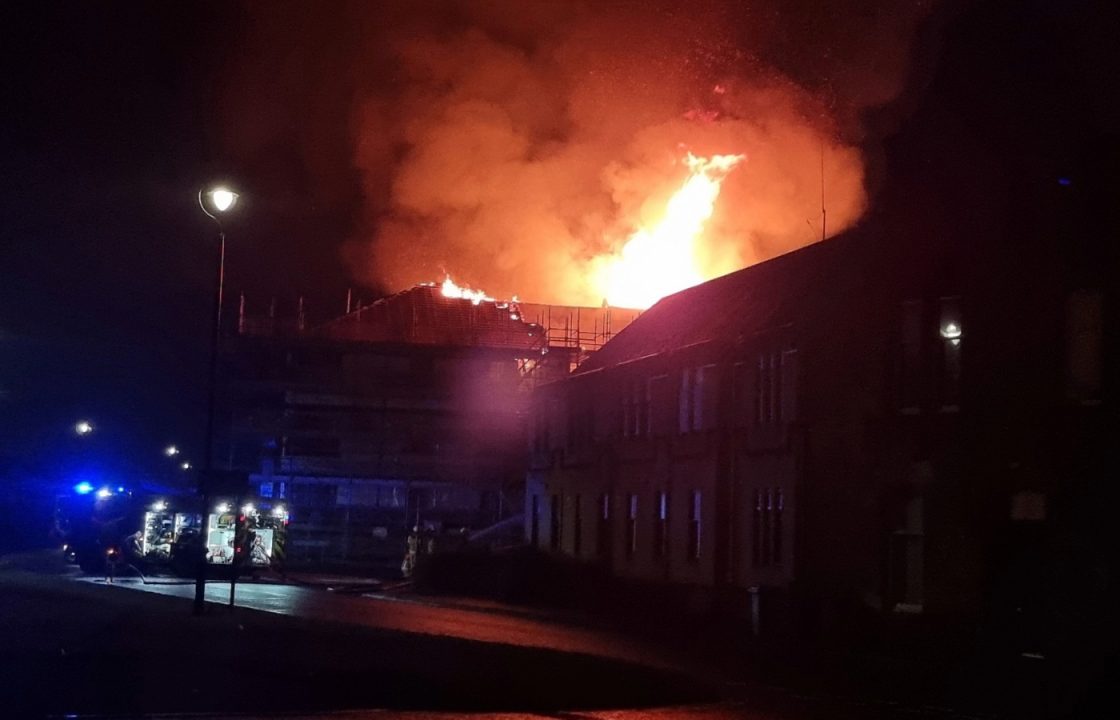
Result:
{"points": [[72, 646], [415, 615]]}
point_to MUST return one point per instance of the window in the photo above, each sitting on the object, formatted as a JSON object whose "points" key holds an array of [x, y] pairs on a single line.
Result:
{"points": [[769, 505], [632, 526], [950, 331], [764, 389], [787, 388], [535, 521], [694, 526], [907, 560], [686, 400], [756, 527], [910, 357], [580, 420], [776, 526], [1084, 346], [775, 391], [556, 522], [577, 525], [741, 395], [636, 408], [661, 526], [604, 535], [697, 400], [660, 406]]}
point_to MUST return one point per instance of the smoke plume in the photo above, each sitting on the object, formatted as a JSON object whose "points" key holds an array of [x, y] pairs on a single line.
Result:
{"points": [[512, 143]]}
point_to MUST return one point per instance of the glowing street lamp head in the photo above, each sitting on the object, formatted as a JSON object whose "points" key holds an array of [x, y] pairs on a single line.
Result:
{"points": [[223, 199], [83, 427], [217, 201], [185, 466], [171, 451]]}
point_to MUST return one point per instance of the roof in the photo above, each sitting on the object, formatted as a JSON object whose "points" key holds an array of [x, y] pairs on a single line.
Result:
{"points": [[423, 315], [744, 302]]}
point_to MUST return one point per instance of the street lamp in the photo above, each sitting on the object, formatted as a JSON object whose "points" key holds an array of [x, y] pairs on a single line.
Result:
{"points": [[185, 466], [171, 451], [215, 202], [83, 427]]}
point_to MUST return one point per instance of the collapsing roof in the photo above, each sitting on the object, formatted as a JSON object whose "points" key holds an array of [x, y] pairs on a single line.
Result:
{"points": [[423, 315]]}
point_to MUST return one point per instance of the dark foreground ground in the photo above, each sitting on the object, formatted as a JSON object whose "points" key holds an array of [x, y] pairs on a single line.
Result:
{"points": [[74, 646], [69, 647]]}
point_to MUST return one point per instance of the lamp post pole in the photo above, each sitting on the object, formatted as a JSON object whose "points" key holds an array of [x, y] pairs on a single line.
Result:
{"points": [[213, 203]]}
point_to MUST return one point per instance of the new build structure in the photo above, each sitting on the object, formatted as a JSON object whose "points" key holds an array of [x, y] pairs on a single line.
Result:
{"points": [[409, 411]]}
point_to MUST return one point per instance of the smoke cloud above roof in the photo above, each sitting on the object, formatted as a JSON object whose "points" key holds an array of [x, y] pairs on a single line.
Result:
{"points": [[513, 143]]}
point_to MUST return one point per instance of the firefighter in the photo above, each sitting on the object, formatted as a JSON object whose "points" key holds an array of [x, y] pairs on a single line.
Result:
{"points": [[112, 557]]}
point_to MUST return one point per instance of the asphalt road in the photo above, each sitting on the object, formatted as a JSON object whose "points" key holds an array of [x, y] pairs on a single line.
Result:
{"points": [[418, 616], [72, 646]]}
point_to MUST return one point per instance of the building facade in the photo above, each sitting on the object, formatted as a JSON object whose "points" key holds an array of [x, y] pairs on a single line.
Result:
{"points": [[868, 424]]}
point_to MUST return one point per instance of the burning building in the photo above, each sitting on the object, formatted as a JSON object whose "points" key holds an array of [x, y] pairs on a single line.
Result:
{"points": [[408, 411], [870, 425]]}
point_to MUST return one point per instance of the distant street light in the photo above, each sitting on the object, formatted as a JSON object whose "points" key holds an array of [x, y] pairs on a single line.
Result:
{"points": [[83, 427], [215, 202], [171, 451], [186, 466]]}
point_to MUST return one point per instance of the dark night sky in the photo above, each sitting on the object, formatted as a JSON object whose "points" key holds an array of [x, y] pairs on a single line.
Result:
{"points": [[114, 114]]}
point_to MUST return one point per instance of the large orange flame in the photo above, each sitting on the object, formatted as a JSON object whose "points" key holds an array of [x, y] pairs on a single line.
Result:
{"points": [[450, 289], [659, 261]]}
